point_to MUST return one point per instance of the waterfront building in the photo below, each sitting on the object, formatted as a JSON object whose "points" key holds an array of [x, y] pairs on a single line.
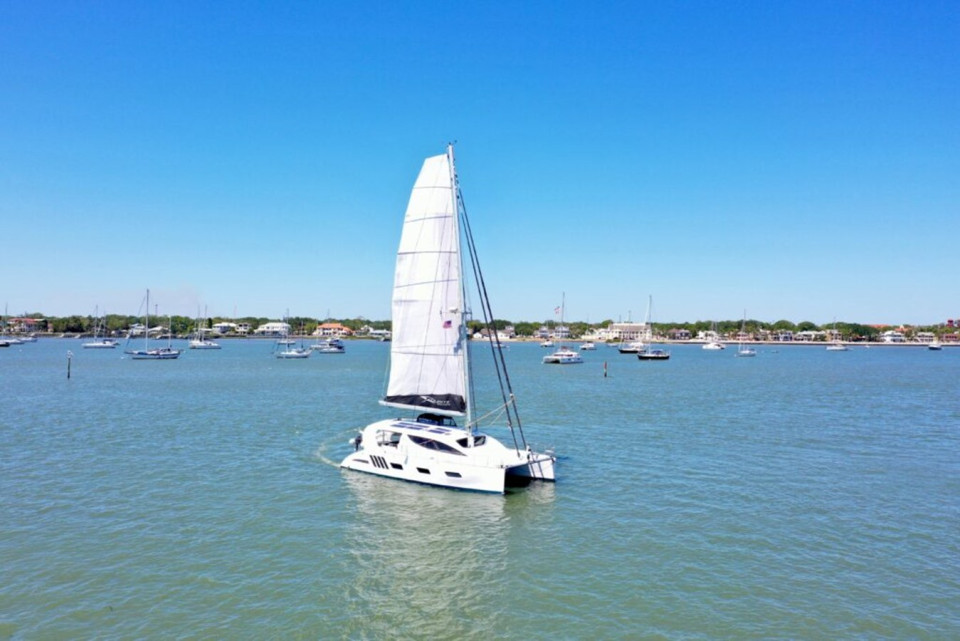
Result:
{"points": [[629, 332], [273, 328], [337, 330]]}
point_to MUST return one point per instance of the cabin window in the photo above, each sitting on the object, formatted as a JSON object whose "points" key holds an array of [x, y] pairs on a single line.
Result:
{"points": [[436, 419], [455, 475], [387, 437], [423, 470], [396, 466], [431, 444], [477, 441]]}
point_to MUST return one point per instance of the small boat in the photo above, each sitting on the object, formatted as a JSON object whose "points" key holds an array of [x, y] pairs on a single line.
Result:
{"points": [[563, 356], [651, 354], [156, 354], [546, 343], [329, 346], [101, 343], [203, 343], [589, 346], [293, 352], [633, 347], [430, 356], [935, 345]]}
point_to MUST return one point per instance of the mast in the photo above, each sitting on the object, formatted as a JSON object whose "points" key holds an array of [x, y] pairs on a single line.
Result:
{"points": [[559, 332], [455, 194], [146, 323]]}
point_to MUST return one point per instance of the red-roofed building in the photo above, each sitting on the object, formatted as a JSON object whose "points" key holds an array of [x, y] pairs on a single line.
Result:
{"points": [[332, 329], [26, 325]]}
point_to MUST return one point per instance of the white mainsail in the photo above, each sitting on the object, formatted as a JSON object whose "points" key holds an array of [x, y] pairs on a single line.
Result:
{"points": [[428, 348]]}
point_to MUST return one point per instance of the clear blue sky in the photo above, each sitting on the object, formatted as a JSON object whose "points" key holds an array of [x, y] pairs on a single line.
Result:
{"points": [[797, 160]]}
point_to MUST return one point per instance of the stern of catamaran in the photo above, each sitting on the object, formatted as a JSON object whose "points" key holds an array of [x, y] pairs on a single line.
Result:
{"points": [[537, 466]]}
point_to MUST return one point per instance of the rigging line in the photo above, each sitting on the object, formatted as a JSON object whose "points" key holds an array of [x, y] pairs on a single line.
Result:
{"points": [[498, 357], [497, 410], [484, 300]]}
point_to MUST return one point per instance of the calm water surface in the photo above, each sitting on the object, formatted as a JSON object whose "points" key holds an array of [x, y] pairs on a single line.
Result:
{"points": [[802, 494]]}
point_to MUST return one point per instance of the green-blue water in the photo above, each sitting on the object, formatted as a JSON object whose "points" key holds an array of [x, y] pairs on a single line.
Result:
{"points": [[802, 494]]}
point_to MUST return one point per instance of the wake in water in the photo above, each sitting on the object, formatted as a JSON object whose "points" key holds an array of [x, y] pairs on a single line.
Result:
{"points": [[321, 453]]}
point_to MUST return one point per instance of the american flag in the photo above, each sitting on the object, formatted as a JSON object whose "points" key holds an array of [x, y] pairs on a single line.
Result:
{"points": [[556, 310]]}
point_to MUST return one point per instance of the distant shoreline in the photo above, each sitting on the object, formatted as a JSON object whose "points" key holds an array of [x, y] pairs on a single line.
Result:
{"points": [[732, 343]]}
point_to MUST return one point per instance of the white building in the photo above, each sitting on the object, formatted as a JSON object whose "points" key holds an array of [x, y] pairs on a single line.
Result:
{"points": [[273, 328], [224, 328], [629, 331]]}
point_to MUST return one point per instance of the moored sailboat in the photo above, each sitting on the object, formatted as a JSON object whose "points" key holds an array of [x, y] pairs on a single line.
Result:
{"points": [[430, 373], [564, 355], [742, 349], [713, 339], [200, 340], [100, 338], [650, 352], [157, 353]]}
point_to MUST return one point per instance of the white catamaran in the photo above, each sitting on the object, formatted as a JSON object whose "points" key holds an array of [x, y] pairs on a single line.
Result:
{"points": [[430, 359]]}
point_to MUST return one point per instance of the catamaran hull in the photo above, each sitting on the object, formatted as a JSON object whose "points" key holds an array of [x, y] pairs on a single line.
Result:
{"points": [[487, 468], [491, 480]]}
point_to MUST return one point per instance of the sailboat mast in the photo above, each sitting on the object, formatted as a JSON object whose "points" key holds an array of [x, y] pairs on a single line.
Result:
{"points": [[563, 304], [461, 303], [146, 323]]}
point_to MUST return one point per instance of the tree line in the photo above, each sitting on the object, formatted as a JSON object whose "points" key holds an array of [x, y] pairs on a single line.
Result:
{"points": [[182, 325]]}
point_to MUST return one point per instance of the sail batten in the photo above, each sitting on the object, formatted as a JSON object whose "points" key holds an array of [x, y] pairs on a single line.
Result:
{"points": [[427, 360]]}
